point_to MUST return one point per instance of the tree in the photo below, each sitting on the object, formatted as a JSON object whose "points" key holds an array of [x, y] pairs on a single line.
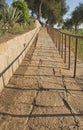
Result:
{"points": [[68, 24], [55, 12], [52, 10], [31, 5], [22, 7], [77, 16]]}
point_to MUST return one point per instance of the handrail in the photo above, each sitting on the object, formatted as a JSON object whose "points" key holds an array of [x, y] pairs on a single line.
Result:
{"points": [[71, 35], [60, 38], [17, 56]]}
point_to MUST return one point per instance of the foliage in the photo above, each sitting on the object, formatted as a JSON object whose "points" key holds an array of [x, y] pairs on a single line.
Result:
{"points": [[68, 24], [31, 5], [52, 10], [2, 3], [22, 7], [10, 15], [15, 18], [2, 31], [76, 17], [16, 29], [31, 23]]}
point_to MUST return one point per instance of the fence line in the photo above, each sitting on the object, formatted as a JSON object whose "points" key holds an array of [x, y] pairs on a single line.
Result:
{"points": [[61, 39]]}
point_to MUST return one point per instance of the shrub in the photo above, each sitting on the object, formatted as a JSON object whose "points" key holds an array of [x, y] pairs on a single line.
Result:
{"points": [[16, 29], [23, 8], [10, 16]]}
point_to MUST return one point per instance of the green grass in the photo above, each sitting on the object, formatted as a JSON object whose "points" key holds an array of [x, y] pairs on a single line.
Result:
{"points": [[18, 28], [80, 42], [79, 32], [80, 49]]}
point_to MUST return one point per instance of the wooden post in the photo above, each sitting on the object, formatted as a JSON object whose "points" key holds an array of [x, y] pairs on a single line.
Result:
{"points": [[75, 62], [69, 52], [65, 50]]}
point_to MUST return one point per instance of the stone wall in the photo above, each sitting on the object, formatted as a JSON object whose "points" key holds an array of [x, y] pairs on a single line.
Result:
{"points": [[11, 49]]}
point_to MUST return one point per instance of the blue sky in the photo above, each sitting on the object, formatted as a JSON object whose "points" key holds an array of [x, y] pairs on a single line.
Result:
{"points": [[9, 1], [71, 3]]}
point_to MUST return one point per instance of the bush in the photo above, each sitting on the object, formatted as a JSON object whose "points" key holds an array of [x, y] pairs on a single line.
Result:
{"points": [[21, 28], [10, 16], [31, 22], [3, 30], [23, 8], [16, 29]]}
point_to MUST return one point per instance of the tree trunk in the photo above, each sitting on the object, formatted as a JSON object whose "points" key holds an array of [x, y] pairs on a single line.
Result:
{"points": [[39, 13], [32, 13], [75, 28]]}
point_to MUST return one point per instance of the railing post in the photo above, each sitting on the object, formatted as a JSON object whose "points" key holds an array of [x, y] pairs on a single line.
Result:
{"points": [[75, 62], [62, 47], [69, 52], [3, 80], [56, 38], [59, 42], [65, 50]]}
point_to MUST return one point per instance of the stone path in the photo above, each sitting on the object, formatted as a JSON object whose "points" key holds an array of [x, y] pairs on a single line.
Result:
{"points": [[42, 95]]}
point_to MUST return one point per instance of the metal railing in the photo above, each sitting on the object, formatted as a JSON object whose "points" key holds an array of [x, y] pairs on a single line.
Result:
{"points": [[34, 38], [63, 43]]}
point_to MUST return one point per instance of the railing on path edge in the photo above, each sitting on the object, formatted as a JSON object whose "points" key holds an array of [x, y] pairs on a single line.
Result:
{"points": [[61, 45], [35, 36]]}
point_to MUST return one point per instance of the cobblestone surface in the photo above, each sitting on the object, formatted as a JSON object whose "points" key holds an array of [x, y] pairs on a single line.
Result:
{"points": [[42, 95]]}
